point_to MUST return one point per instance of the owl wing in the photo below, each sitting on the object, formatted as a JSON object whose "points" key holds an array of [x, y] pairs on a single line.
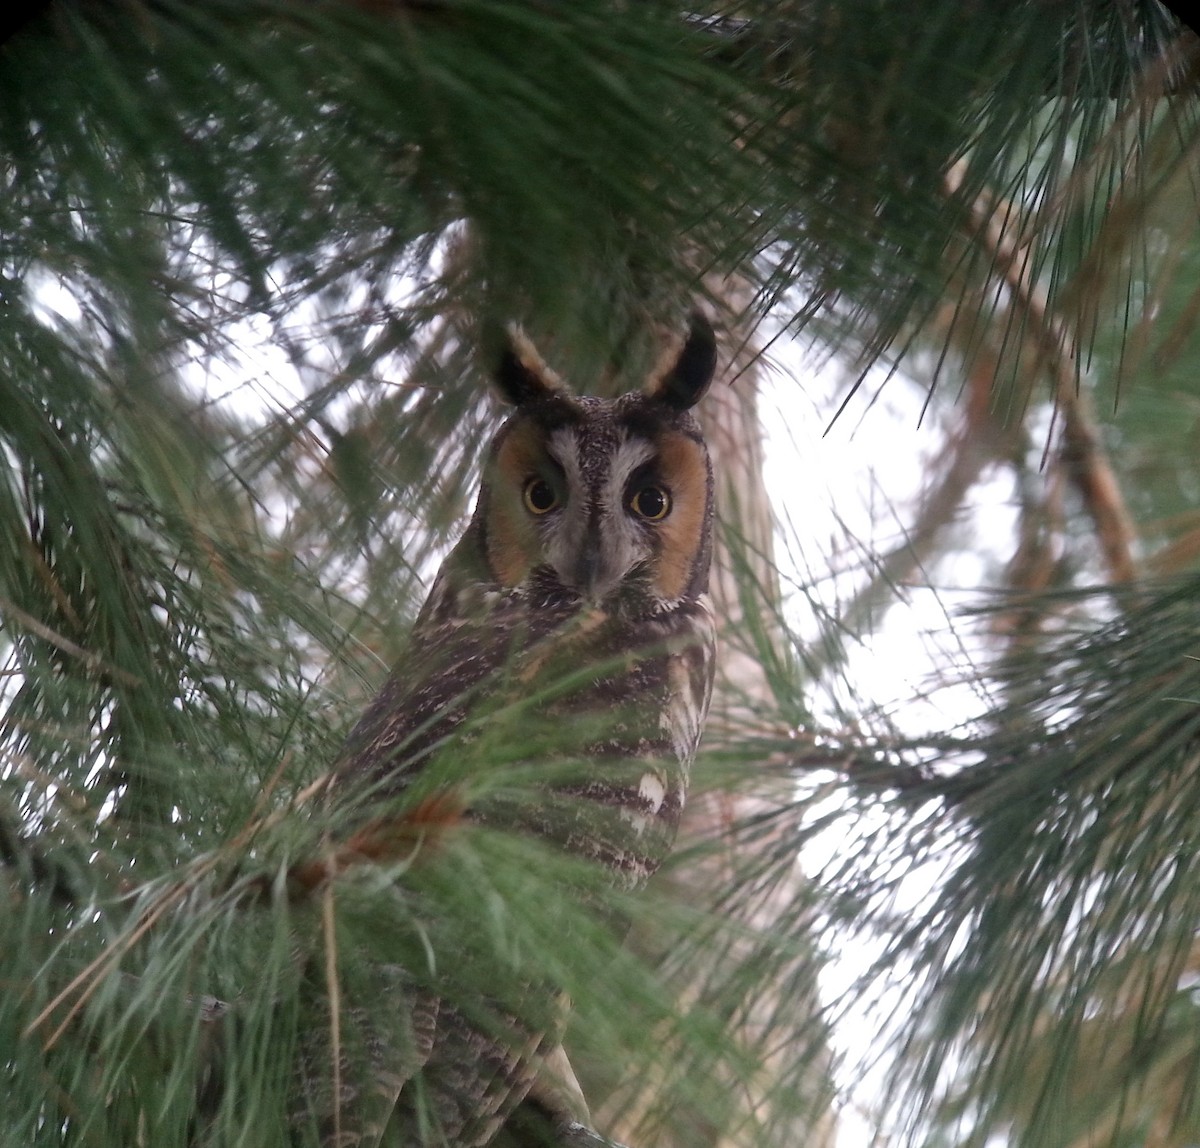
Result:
{"points": [[378, 1049], [460, 646], [452, 659]]}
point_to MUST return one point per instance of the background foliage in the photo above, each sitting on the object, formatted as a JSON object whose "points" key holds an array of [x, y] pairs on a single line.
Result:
{"points": [[249, 255]]}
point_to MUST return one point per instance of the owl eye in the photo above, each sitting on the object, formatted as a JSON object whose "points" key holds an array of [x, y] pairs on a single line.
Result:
{"points": [[650, 502], [540, 496]]}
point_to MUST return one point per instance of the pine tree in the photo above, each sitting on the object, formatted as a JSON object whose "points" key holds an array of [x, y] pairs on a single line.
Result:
{"points": [[250, 256]]}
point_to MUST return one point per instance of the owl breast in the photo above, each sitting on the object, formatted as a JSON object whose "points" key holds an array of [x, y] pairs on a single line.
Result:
{"points": [[620, 742], [607, 721]]}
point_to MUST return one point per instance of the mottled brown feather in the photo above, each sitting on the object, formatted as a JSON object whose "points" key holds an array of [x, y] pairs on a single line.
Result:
{"points": [[607, 688]]}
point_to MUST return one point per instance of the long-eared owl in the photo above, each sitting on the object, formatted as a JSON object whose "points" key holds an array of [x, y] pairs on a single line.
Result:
{"points": [[576, 597]]}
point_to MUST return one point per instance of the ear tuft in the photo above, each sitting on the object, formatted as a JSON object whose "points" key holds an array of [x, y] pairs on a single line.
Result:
{"points": [[681, 379], [521, 375]]}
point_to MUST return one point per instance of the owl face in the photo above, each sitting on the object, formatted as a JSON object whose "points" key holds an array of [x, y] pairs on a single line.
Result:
{"points": [[601, 502]]}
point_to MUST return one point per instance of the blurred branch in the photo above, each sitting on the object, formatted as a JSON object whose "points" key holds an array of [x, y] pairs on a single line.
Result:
{"points": [[94, 661], [975, 445], [918, 769], [1081, 453], [983, 438], [863, 764], [772, 43], [1089, 469]]}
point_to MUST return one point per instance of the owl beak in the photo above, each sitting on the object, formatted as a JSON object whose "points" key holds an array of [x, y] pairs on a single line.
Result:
{"points": [[595, 576]]}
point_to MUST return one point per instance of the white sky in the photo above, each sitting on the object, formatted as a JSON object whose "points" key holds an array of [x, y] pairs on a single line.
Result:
{"points": [[859, 479]]}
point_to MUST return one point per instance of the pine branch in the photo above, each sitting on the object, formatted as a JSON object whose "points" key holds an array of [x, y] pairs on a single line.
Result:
{"points": [[770, 44], [975, 444], [1082, 452]]}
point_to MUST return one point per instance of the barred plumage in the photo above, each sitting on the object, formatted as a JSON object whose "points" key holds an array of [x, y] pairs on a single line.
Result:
{"points": [[576, 592]]}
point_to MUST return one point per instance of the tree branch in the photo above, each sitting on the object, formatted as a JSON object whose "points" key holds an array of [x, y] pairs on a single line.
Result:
{"points": [[1082, 453]]}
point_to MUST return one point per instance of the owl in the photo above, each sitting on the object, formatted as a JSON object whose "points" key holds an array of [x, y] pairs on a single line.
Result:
{"points": [[576, 601]]}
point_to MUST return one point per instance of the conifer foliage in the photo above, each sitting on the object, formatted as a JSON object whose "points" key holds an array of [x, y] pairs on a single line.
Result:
{"points": [[252, 256]]}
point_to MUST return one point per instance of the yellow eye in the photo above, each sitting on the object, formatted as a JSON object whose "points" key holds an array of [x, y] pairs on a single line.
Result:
{"points": [[540, 496], [651, 502]]}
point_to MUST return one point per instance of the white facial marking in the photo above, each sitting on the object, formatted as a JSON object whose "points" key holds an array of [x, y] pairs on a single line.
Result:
{"points": [[651, 787], [563, 447], [630, 454], [616, 542], [623, 540]]}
